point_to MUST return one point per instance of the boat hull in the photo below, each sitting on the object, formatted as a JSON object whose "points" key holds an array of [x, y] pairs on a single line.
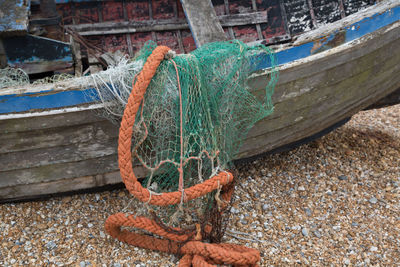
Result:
{"points": [[73, 148]]}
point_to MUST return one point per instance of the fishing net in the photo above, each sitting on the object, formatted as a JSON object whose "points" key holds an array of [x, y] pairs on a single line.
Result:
{"points": [[13, 77], [183, 123]]}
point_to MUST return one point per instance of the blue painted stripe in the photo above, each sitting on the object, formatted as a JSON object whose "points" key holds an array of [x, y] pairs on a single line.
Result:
{"points": [[47, 100], [352, 32], [44, 100]]}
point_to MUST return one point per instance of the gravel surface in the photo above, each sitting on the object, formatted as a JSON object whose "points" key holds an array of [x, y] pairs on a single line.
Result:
{"points": [[335, 201]]}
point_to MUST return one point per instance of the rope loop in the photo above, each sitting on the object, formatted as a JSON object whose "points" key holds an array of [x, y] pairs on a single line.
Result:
{"points": [[178, 241]]}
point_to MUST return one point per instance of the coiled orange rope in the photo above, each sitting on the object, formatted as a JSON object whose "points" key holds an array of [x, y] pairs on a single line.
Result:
{"points": [[195, 253]]}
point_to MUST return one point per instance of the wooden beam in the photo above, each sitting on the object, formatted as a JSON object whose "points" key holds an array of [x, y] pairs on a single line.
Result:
{"points": [[178, 32], [76, 52], [203, 22], [48, 11], [312, 13], [36, 54], [163, 25], [227, 12], [153, 33], [341, 8], [3, 57], [284, 18]]}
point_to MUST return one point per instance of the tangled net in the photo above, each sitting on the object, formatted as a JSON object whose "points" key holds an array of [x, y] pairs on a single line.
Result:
{"points": [[13, 77], [183, 122]]}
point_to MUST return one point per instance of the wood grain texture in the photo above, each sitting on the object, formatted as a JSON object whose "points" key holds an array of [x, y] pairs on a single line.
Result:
{"points": [[164, 24], [203, 22]]}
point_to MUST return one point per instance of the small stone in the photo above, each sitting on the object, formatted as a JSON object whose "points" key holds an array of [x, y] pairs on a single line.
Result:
{"points": [[90, 225], [82, 264], [102, 235], [12, 261], [346, 261], [317, 234], [308, 211], [265, 207], [304, 231], [234, 210], [42, 226], [301, 188], [342, 178], [373, 200], [97, 196], [259, 235], [117, 264], [373, 249], [296, 227], [244, 221], [51, 245], [354, 224]]}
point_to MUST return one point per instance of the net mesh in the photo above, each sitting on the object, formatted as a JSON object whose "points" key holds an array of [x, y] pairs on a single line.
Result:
{"points": [[13, 77], [195, 114]]}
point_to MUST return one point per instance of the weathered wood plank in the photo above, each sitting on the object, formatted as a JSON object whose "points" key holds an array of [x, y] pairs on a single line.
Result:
{"points": [[36, 54], [55, 155], [38, 139], [304, 118], [49, 121], [203, 22], [163, 25], [62, 185], [315, 117], [231, 20], [303, 129], [325, 86], [60, 136], [58, 171], [326, 97], [331, 69]]}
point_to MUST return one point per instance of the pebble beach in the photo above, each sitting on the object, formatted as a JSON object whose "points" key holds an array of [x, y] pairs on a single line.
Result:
{"points": [[332, 202]]}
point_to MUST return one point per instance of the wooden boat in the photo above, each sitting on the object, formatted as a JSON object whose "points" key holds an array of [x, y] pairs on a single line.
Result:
{"points": [[53, 141]]}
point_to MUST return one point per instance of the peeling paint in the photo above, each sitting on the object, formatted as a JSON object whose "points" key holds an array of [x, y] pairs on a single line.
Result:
{"points": [[13, 16]]}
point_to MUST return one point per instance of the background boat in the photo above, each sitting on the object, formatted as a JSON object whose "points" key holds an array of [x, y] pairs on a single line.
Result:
{"points": [[52, 140]]}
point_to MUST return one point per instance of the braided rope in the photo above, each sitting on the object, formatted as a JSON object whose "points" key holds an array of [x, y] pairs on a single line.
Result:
{"points": [[195, 253]]}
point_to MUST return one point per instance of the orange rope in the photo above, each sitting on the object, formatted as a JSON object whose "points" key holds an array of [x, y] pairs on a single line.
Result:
{"points": [[195, 253]]}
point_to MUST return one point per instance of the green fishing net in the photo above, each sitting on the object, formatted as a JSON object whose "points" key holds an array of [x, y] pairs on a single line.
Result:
{"points": [[196, 113]]}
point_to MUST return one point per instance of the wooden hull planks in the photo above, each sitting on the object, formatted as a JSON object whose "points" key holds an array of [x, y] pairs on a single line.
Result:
{"points": [[66, 148]]}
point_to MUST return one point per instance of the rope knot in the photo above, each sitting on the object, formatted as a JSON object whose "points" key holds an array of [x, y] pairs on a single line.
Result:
{"points": [[170, 54]]}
